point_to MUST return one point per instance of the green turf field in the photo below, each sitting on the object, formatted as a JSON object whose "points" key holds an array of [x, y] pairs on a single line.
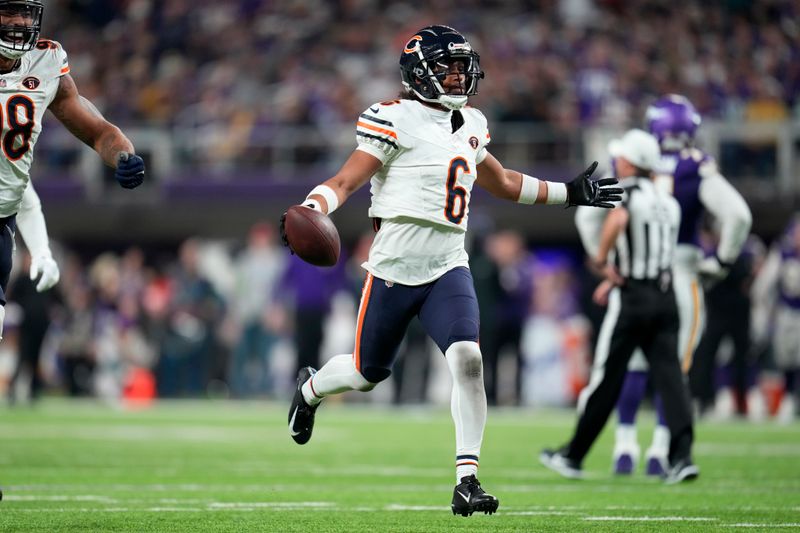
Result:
{"points": [[225, 466]]}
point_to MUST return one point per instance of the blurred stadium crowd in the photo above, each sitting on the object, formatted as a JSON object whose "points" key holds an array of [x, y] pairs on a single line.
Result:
{"points": [[236, 319], [231, 74], [229, 319]]}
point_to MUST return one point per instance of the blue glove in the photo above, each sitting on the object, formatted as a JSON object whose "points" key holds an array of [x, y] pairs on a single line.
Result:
{"points": [[130, 170]]}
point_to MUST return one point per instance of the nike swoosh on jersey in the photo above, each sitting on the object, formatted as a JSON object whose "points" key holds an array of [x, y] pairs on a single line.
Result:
{"points": [[291, 423], [374, 109]]}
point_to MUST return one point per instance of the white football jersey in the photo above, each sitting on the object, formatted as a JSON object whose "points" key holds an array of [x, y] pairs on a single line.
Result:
{"points": [[422, 192], [25, 94]]}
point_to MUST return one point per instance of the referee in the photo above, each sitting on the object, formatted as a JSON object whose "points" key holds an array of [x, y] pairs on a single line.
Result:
{"points": [[641, 312]]}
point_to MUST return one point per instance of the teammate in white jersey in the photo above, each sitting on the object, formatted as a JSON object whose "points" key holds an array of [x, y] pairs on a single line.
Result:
{"points": [[423, 153], [34, 77]]}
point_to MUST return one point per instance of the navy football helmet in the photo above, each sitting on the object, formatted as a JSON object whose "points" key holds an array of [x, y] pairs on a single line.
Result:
{"points": [[427, 59], [20, 24]]}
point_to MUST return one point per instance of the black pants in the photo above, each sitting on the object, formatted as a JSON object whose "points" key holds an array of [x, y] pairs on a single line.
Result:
{"points": [[639, 314], [308, 336], [733, 321]]}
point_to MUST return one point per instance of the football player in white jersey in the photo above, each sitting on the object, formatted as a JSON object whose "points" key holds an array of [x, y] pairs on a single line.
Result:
{"points": [[34, 77], [423, 153]]}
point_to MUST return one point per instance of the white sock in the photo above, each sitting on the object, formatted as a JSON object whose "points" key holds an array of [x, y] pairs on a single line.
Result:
{"points": [[339, 374], [660, 444], [2, 319], [626, 435], [467, 404]]}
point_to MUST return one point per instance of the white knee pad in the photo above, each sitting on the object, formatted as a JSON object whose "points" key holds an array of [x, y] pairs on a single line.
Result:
{"points": [[465, 361], [361, 384]]}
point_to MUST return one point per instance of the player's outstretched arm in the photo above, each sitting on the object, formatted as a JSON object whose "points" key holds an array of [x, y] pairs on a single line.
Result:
{"points": [[84, 121], [355, 172], [516, 186], [32, 227], [332, 193]]}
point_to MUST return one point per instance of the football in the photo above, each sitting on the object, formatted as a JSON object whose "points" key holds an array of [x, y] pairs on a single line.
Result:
{"points": [[312, 236]]}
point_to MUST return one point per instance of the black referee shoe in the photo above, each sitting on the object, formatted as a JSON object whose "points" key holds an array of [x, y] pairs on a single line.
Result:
{"points": [[469, 497], [556, 461], [683, 470], [301, 415]]}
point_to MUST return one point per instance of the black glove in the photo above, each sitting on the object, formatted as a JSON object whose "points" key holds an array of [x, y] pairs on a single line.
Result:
{"points": [[583, 191], [130, 170], [284, 238]]}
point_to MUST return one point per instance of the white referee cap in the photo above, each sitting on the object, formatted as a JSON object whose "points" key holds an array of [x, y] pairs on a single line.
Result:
{"points": [[638, 147]]}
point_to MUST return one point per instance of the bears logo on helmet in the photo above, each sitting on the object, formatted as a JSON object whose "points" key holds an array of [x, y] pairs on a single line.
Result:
{"points": [[426, 60]]}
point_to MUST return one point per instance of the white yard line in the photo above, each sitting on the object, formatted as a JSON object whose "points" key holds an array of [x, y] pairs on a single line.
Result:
{"points": [[649, 519]]}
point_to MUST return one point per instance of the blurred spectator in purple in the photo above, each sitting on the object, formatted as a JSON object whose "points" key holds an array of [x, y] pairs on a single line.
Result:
{"points": [[515, 268], [307, 291]]}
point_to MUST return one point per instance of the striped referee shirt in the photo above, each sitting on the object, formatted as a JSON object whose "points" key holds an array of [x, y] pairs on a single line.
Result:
{"points": [[645, 249]]}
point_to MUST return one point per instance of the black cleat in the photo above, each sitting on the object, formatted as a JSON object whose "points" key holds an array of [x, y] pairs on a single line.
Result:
{"points": [[469, 497], [683, 470], [556, 461], [301, 415]]}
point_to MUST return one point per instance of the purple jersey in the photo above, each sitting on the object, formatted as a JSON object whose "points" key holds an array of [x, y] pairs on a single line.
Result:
{"points": [[789, 280], [684, 169]]}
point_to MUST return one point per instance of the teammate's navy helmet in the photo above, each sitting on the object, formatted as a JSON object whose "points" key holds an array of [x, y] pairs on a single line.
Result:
{"points": [[425, 62], [20, 24], [673, 120]]}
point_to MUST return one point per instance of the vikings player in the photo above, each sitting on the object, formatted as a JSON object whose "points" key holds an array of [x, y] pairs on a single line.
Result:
{"points": [[34, 77], [693, 178], [422, 154], [779, 281]]}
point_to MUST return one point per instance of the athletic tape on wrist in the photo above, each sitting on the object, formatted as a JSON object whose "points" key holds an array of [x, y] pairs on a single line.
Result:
{"points": [[312, 204], [529, 191], [329, 194], [556, 193]]}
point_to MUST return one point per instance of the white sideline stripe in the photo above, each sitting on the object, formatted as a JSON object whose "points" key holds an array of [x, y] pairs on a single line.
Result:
{"points": [[650, 519]]}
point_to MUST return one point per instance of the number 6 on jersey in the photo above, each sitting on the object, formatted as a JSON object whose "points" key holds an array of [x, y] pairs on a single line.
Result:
{"points": [[456, 195]]}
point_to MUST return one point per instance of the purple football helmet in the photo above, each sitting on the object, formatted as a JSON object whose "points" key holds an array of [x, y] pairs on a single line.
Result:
{"points": [[673, 120]]}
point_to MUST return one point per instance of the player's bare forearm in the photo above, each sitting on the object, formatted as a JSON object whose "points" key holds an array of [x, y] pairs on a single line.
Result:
{"points": [[111, 143], [615, 222], [86, 123], [504, 183], [355, 172]]}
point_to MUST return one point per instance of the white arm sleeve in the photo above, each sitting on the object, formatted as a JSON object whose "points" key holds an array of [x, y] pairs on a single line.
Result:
{"points": [[589, 221], [766, 282], [31, 224], [729, 208]]}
